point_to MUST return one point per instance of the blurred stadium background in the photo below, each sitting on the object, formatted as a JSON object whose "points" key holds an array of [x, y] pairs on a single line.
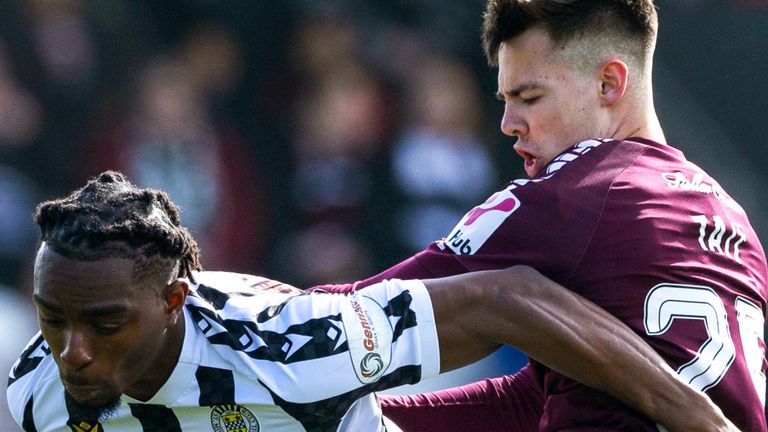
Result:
{"points": [[316, 141]]}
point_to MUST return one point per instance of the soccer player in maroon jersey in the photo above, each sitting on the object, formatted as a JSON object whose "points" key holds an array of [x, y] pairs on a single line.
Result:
{"points": [[134, 335], [611, 211]]}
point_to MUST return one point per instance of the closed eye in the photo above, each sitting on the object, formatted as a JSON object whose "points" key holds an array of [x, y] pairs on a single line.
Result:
{"points": [[107, 328], [530, 100], [52, 322]]}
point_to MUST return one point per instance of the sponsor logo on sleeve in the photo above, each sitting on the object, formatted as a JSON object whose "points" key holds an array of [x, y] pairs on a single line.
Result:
{"points": [[233, 418], [481, 222], [371, 365], [369, 335]]}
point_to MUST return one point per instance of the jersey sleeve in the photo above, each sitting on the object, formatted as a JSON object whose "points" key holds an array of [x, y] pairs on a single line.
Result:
{"points": [[390, 326], [511, 403], [318, 356], [546, 223], [319, 346], [412, 268]]}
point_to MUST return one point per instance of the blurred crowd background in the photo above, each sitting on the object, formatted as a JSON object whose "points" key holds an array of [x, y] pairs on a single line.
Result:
{"points": [[316, 141]]}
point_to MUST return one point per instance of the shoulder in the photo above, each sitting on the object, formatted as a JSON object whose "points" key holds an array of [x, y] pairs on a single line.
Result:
{"points": [[226, 290], [32, 372], [663, 171], [577, 180], [587, 165], [230, 311], [30, 360], [239, 282]]}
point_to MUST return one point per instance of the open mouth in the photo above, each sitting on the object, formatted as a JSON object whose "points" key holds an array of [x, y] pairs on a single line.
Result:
{"points": [[530, 166], [531, 162]]}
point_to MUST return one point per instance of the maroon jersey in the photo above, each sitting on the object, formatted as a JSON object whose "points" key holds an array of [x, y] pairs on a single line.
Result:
{"points": [[650, 237]]}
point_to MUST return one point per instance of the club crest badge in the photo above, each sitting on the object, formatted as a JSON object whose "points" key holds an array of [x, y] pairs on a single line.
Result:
{"points": [[233, 418]]}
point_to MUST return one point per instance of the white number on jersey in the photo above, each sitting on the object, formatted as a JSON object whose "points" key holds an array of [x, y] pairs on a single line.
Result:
{"points": [[751, 324], [668, 302]]}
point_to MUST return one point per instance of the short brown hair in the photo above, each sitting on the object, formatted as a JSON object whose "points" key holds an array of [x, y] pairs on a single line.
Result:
{"points": [[634, 22]]}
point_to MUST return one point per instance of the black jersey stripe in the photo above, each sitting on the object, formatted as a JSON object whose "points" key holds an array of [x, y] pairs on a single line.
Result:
{"points": [[215, 297], [219, 299], [325, 415], [400, 306], [28, 421], [155, 418], [28, 361], [82, 418], [217, 386], [323, 333], [25, 366]]}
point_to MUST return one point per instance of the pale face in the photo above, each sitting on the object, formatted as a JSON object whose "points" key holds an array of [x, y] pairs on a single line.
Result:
{"points": [[548, 105]]}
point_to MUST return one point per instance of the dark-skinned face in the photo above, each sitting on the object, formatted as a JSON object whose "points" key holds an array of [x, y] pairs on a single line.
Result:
{"points": [[109, 334]]}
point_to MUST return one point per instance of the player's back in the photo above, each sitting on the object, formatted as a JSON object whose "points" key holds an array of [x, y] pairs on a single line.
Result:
{"points": [[675, 258]]}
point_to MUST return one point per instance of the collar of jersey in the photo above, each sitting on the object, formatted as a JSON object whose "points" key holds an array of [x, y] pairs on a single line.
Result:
{"points": [[183, 374]]}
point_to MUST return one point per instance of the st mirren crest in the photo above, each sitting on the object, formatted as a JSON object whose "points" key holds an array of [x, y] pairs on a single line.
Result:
{"points": [[84, 426], [233, 418]]}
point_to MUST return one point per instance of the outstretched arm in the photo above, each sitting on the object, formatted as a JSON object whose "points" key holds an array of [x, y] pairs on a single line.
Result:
{"points": [[477, 312]]}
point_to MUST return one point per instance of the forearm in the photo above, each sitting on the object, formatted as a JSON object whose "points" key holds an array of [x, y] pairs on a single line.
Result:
{"points": [[577, 338], [597, 349]]}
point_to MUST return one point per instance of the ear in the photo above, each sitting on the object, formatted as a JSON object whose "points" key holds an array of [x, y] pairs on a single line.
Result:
{"points": [[613, 75], [175, 296]]}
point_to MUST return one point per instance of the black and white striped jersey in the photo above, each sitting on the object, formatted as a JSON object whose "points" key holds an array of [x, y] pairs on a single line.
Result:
{"points": [[257, 357]]}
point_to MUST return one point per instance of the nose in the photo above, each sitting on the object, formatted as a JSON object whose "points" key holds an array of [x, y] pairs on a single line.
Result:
{"points": [[512, 124], [77, 351]]}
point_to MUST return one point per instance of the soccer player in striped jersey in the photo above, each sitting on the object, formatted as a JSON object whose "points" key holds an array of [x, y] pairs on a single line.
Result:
{"points": [[611, 211], [135, 337]]}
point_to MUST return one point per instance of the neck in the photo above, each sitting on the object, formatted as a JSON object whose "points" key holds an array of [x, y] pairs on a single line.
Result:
{"points": [[165, 363], [650, 129], [639, 122]]}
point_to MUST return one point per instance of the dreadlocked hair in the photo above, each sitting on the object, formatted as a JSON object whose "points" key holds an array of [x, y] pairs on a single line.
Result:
{"points": [[111, 218]]}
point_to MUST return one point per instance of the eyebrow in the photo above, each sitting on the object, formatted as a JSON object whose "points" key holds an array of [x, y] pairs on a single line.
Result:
{"points": [[98, 310], [515, 92]]}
